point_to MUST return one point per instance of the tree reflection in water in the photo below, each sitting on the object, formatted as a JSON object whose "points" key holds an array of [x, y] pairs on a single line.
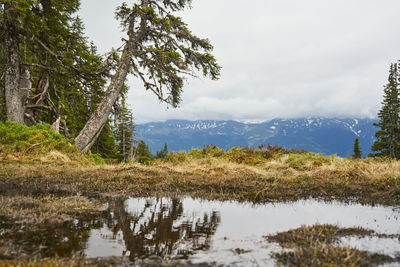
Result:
{"points": [[161, 229]]}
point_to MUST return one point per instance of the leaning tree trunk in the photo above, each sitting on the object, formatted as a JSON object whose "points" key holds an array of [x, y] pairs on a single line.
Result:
{"points": [[98, 119], [14, 97]]}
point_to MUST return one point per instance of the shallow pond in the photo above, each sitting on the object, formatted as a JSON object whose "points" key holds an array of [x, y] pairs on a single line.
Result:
{"points": [[229, 233]]}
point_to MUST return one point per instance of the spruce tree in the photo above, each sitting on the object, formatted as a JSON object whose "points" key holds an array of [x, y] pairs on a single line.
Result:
{"points": [[51, 45], [160, 51], [387, 142], [357, 154], [163, 152]]}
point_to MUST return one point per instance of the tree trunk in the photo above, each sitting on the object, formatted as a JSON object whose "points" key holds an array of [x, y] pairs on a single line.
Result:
{"points": [[131, 151], [98, 119], [123, 143], [15, 101]]}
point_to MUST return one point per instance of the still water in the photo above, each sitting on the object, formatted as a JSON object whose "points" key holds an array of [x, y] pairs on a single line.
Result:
{"points": [[228, 233]]}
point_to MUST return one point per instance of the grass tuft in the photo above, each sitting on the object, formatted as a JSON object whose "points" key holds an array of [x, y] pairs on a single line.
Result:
{"points": [[318, 246]]}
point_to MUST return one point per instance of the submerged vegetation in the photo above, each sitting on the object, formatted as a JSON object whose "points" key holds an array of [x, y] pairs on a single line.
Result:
{"points": [[319, 245]]}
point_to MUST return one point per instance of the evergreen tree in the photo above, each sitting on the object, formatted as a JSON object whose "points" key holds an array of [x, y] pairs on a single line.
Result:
{"points": [[161, 51], [67, 75], [388, 137], [124, 128], [163, 152], [357, 154], [143, 152]]}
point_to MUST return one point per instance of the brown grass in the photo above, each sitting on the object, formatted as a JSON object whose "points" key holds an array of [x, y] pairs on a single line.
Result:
{"points": [[318, 246], [49, 210], [282, 178]]}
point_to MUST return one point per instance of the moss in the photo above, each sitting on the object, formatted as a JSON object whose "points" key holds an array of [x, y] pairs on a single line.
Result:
{"points": [[39, 143], [36, 139], [96, 158]]}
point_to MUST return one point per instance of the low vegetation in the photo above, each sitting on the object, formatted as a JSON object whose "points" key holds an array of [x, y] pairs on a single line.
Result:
{"points": [[33, 157], [39, 144], [46, 181], [319, 245]]}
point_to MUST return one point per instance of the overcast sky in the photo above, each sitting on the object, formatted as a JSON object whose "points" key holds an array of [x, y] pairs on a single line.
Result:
{"points": [[280, 58]]}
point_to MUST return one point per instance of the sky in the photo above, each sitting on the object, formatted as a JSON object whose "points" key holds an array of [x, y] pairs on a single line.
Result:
{"points": [[280, 58]]}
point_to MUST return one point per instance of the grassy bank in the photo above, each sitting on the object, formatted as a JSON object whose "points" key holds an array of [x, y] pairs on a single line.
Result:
{"points": [[35, 160], [283, 177]]}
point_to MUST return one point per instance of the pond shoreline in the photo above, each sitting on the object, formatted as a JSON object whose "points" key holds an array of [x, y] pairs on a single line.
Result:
{"points": [[232, 182], [83, 188]]}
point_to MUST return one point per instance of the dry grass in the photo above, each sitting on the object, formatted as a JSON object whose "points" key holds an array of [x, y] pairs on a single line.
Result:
{"points": [[51, 186], [49, 210], [318, 246], [50, 263], [316, 235], [328, 255], [283, 177]]}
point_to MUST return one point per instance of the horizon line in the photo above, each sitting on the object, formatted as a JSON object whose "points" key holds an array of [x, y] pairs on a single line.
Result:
{"points": [[259, 121]]}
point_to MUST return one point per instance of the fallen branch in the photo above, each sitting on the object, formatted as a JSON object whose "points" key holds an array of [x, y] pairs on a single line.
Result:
{"points": [[32, 146]]}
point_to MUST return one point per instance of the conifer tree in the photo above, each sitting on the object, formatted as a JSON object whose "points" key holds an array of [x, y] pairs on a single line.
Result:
{"points": [[387, 142], [357, 154], [67, 75], [124, 128], [163, 152], [160, 51]]}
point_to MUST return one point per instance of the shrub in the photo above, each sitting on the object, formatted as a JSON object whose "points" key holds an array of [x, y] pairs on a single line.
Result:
{"points": [[145, 160], [195, 153], [37, 141], [176, 157], [308, 160], [244, 155], [212, 151], [40, 138], [97, 159]]}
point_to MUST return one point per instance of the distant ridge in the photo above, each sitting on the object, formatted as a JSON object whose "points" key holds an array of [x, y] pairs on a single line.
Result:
{"points": [[319, 135]]}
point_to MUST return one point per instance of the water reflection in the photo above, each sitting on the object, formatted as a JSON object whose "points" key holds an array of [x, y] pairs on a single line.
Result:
{"points": [[70, 240], [160, 228], [228, 233]]}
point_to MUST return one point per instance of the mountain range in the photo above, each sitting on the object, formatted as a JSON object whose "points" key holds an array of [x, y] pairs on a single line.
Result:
{"points": [[319, 135]]}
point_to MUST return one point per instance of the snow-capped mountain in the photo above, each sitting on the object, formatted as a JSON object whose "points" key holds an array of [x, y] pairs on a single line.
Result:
{"points": [[320, 135]]}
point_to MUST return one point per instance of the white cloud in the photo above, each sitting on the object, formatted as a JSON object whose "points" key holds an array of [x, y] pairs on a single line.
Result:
{"points": [[284, 58]]}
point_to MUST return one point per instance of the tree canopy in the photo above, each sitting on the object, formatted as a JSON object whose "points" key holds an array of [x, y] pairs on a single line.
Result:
{"points": [[66, 73], [52, 74], [161, 51], [388, 136]]}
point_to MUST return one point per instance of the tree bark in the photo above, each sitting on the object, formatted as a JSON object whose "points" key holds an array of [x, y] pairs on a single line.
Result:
{"points": [[98, 119], [15, 100]]}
